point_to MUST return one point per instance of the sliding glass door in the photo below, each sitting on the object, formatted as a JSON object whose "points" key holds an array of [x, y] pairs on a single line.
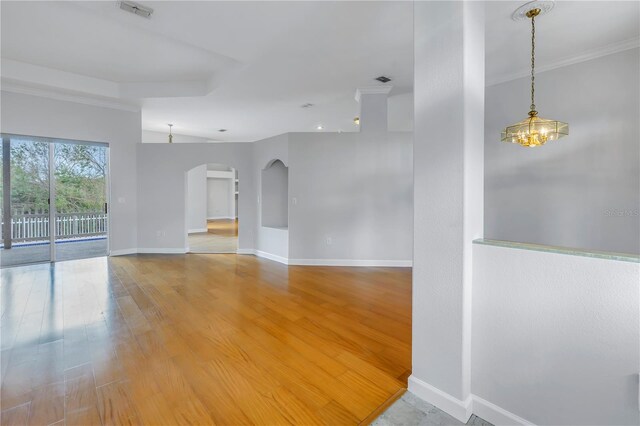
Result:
{"points": [[26, 213], [54, 200]]}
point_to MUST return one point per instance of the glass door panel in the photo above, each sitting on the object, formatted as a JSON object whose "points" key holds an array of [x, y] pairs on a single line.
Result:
{"points": [[26, 215], [80, 176]]}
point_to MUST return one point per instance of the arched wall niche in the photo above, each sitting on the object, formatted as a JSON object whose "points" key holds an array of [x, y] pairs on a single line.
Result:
{"points": [[274, 212]]}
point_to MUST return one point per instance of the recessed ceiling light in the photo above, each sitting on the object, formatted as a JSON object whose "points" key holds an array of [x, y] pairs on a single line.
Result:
{"points": [[222, 130], [383, 79], [319, 127], [307, 105], [136, 8]]}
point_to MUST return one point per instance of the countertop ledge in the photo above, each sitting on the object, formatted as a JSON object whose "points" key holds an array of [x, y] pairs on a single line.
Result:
{"points": [[623, 257]]}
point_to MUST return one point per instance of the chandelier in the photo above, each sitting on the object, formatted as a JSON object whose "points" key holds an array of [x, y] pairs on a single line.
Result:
{"points": [[534, 131]]}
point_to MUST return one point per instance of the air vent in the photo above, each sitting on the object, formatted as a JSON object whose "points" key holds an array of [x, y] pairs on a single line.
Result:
{"points": [[383, 79], [136, 8], [222, 130], [306, 106]]}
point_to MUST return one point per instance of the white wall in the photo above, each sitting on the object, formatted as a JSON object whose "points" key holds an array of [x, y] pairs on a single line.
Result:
{"points": [[581, 191], [353, 197], [556, 337], [150, 136], [46, 117], [197, 199], [161, 204], [218, 200], [448, 178], [274, 199]]}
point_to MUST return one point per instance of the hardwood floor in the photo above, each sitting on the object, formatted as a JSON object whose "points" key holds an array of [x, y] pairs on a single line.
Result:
{"points": [[221, 237], [201, 339]]}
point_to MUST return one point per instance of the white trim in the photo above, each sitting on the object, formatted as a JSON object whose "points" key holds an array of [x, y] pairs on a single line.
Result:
{"points": [[496, 415], [177, 250], [610, 49], [221, 217], [461, 410], [193, 231], [352, 262], [123, 252], [273, 257], [372, 90], [50, 94]]}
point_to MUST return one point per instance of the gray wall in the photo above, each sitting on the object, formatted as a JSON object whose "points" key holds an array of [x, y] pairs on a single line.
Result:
{"points": [[218, 198], [197, 199], [162, 191], [275, 195], [38, 116], [582, 191], [353, 196]]}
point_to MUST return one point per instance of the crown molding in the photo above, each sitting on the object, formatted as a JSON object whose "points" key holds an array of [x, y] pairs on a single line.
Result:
{"points": [[51, 94], [372, 90], [609, 49]]}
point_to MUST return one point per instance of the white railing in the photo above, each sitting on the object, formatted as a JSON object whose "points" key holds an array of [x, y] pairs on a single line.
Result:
{"points": [[35, 227]]}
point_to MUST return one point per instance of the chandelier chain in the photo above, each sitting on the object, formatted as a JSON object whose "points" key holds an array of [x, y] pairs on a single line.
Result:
{"points": [[533, 62]]}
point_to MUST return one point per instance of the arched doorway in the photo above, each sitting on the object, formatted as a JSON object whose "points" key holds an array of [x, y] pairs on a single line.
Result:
{"points": [[212, 209]]}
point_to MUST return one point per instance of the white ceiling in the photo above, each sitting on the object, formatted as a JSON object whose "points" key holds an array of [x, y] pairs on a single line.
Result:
{"points": [[249, 66]]}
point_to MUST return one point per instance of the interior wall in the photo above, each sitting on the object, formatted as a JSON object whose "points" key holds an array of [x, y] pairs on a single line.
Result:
{"points": [[38, 116], [556, 338], [351, 197], [275, 195], [218, 200], [197, 199], [272, 241], [162, 199], [581, 191]]}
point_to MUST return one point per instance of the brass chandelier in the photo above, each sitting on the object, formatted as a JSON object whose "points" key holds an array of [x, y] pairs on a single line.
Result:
{"points": [[534, 131]]}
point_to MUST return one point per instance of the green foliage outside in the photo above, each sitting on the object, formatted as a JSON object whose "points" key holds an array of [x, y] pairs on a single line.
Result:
{"points": [[79, 177]]}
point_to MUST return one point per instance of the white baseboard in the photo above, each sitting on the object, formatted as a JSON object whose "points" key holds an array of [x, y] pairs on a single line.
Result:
{"points": [[273, 257], [461, 410], [193, 231], [246, 251], [177, 250], [351, 262], [123, 252], [496, 415], [221, 217]]}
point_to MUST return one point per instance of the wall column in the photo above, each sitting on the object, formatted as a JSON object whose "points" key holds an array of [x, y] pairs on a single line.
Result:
{"points": [[448, 196]]}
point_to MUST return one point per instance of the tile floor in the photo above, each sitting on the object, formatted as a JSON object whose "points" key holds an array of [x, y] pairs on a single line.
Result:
{"points": [[412, 411]]}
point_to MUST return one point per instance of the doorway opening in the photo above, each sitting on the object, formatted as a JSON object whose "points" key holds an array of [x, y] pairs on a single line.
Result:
{"points": [[54, 200], [212, 209]]}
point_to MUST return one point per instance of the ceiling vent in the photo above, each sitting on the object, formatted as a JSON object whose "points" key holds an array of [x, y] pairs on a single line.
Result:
{"points": [[306, 106], [383, 79], [222, 130], [136, 8]]}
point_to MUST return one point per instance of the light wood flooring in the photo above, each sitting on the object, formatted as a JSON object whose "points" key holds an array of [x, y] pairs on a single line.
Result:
{"points": [[221, 237], [201, 339]]}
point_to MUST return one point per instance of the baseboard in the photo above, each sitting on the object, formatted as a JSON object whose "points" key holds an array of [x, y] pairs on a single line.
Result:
{"points": [[352, 262], [273, 257], [177, 250], [246, 251], [461, 410], [123, 252], [193, 231], [496, 415], [221, 217]]}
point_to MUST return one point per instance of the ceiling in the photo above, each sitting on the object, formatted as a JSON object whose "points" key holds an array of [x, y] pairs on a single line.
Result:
{"points": [[248, 67]]}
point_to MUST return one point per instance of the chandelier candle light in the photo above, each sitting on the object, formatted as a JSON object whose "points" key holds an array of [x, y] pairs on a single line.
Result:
{"points": [[170, 135], [534, 131]]}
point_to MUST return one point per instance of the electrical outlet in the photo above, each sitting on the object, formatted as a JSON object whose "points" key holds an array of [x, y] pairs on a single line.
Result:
{"points": [[329, 241], [294, 201], [160, 234]]}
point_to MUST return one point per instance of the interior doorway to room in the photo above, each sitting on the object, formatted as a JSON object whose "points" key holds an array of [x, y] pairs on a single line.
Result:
{"points": [[212, 209], [54, 200]]}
